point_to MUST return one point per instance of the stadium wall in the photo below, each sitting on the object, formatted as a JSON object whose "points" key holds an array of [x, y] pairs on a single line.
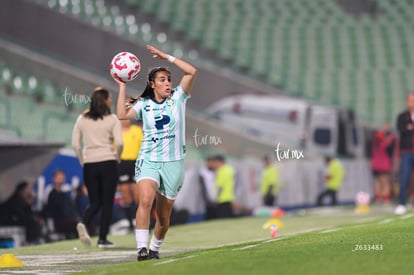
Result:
{"points": [[22, 160]]}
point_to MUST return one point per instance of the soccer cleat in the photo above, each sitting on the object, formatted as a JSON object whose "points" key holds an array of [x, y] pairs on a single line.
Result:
{"points": [[105, 244], [142, 254], [400, 210], [153, 255], [83, 234]]}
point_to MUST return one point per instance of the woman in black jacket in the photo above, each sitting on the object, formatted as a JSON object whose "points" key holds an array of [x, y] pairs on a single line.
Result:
{"points": [[17, 211], [405, 125]]}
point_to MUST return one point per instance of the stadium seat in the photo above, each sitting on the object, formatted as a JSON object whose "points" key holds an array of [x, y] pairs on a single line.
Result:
{"points": [[24, 110], [314, 49]]}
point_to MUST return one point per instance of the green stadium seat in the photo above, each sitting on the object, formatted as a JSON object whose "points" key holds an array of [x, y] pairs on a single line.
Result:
{"points": [[6, 75], [21, 111], [310, 48]]}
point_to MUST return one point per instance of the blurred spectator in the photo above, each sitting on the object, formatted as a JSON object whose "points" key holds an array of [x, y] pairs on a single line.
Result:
{"points": [[405, 126], [225, 183], [81, 203], [17, 211], [269, 186], [383, 146], [61, 208], [132, 136], [333, 180], [97, 142], [208, 188], [81, 199]]}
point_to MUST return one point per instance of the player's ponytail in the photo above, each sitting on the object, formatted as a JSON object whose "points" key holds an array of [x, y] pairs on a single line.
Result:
{"points": [[131, 101], [149, 91]]}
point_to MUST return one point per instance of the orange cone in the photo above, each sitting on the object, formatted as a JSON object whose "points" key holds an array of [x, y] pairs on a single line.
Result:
{"points": [[278, 213]]}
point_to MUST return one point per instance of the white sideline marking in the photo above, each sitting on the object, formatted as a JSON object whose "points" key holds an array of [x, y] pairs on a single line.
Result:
{"points": [[246, 247], [385, 221], [330, 230], [406, 216], [263, 242], [175, 260], [39, 271], [275, 239]]}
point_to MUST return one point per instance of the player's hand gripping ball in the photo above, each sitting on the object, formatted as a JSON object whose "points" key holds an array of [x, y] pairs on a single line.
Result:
{"points": [[125, 66]]}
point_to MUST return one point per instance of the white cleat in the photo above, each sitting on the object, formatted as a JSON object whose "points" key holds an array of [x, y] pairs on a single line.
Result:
{"points": [[83, 234], [400, 210]]}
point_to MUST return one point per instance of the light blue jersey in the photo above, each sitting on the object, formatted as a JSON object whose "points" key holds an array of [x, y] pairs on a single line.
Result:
{"points": [[163, 126]]}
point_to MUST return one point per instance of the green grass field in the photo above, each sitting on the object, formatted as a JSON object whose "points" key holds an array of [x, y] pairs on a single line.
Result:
{"points": [[339, 242]]}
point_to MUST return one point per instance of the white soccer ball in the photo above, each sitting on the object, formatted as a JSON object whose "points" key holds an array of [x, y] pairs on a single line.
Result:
{"points": [[125, 66]]}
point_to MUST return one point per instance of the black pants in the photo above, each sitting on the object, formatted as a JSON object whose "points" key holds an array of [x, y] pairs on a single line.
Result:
{"points": [[329, 193], [101, 179], [33, 230], [269, 200], [211, 212], [66, 227], [224, 210]]}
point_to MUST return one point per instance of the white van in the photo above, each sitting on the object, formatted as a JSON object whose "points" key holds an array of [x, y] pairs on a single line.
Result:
{"points": [[293, 123]]}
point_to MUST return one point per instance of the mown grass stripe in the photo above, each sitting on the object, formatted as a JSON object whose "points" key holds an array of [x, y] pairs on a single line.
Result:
{"points": [[407, 216], [385, 221], [175, 260]]}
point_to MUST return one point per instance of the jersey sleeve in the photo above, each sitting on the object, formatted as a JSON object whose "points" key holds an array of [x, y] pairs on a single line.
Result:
{"points": [[138, 109], [179, 94]]}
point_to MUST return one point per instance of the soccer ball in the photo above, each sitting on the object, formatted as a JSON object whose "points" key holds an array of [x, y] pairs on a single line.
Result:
{"points": [[125, 66]]}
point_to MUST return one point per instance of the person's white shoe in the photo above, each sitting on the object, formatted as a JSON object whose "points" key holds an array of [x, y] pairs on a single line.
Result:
{"points": [[83, 234], [400, 210]]}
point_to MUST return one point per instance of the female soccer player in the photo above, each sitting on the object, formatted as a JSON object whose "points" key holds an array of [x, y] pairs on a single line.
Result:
{"points": [[159, 169], [98, 130]]}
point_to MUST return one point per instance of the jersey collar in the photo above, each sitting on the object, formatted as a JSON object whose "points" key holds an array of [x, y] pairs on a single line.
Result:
{"points": [[158, 102]]}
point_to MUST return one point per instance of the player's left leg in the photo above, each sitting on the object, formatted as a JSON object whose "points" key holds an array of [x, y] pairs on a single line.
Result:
{"points": [[163, 209], [172, 177]]}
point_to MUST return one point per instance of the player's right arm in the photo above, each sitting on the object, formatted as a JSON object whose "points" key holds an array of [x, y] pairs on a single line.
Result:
{"points": [[121, 109]]}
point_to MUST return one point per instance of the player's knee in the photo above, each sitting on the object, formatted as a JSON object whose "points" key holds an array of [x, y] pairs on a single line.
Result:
{"points": [[146, 202]]}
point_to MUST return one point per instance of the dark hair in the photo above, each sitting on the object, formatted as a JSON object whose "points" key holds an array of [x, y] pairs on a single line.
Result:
{"points": [[149, 91], [220, 158], [19, 189], [20, 186], [131, 101], [98, 107], [266, 158], [58, 171]]}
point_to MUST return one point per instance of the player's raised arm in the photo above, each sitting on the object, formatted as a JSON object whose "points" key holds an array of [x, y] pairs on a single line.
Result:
{"points": [[121, 109], [189, 71]]}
